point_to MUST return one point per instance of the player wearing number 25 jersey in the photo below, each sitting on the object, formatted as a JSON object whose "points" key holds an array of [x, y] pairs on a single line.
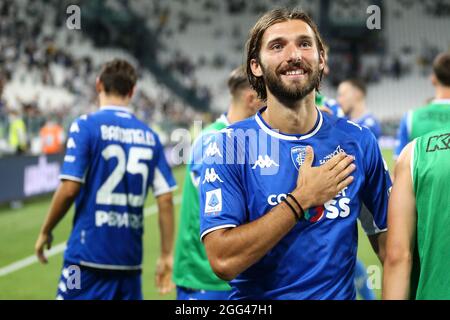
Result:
{"points": [[118, 158], [111, 161]]}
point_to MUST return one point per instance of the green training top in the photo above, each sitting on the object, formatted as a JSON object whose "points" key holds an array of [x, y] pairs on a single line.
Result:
{"points": [[435, 115], [191, 265], [431, 176]]}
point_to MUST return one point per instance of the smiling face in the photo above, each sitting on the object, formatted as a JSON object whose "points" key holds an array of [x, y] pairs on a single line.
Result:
{"points": [[289, 60]]}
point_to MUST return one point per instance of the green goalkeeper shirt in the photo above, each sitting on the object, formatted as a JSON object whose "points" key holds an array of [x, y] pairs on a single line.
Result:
{"points": [[431, 177], [415, 123], [191, 266]]}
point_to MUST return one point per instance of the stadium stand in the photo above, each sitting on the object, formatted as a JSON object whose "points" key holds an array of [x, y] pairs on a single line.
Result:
{"points": [[50, 69]]}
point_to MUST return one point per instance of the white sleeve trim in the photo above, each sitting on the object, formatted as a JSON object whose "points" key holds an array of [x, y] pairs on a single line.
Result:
{"points": [[224, 226], [368, 222], [71, 178], [167, 190], [376, 231], [160, 184]]}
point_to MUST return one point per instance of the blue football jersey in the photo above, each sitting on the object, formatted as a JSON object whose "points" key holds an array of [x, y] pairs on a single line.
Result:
{"points": [[368, 120], [117, 158], [403, 134], [334, 107], [257, 167]]}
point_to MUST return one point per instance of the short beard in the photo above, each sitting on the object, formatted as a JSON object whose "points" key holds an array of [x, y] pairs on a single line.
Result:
{"points": [[289, 96]]}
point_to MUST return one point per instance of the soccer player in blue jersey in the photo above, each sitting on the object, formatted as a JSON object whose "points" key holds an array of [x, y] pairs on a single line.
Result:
{"points": [[351, 96], [112, 159], [281, 222]]}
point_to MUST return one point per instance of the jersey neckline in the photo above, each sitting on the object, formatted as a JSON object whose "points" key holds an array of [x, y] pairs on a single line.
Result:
{"points": [[117, 108], [286, 136], [440, 101]]}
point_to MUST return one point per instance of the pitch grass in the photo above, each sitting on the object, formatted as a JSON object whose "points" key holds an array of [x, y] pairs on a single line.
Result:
{"points": [[20, 227]]}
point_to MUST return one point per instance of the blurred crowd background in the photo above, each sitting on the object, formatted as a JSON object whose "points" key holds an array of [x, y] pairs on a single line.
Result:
{"points": [[184, 51]]}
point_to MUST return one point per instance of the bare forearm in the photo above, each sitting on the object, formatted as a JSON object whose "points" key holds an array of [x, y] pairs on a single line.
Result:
{"points": [[396, 279], [166, 224], [378, 243], [61, 203], [240, 247]]}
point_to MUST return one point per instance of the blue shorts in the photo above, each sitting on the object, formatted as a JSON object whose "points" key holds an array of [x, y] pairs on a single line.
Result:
{"points": [[82, 283], [193, 294], [361, 285]]}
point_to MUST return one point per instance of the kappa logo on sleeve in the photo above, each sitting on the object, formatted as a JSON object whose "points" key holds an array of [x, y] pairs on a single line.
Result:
{"points": [[212, 150], [264, 162], [71, 144], [74, 127], [211, 176], [213, 201]]}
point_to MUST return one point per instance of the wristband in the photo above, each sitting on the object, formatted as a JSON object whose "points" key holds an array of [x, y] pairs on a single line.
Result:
{"points": [[298, 204], [297, 218]]}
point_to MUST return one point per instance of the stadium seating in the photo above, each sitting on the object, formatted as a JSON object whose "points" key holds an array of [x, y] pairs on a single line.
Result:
{"points": [[201, 41]]}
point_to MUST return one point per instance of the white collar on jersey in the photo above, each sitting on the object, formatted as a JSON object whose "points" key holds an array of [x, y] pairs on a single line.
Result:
{"points": [[117, 108], [291, 137], [441, 101]]}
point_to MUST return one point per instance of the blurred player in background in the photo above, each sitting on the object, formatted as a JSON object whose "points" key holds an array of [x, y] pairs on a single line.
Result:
{"points": [[433, 116], [417, 254], [17, 132], [273, 224], [112, 159], [351, 96], [324, 103], [192, 273], [52, 136], [352, 99]]}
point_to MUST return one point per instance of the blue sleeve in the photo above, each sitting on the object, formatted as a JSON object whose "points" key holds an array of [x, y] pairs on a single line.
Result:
{"points": [[202, 147], [335, 108], [376, 189], [163, 180], [78, 152], [377, 129], [374, 126], [222, 195], [402, 136]]}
